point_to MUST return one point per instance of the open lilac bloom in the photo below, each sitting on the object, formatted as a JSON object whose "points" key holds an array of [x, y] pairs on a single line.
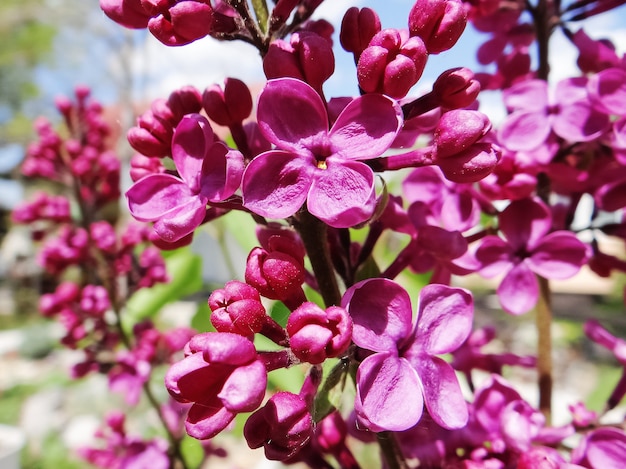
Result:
{"points": [[404, 373], [313, 164], [209, 172], [529, 249], [570, 115]]}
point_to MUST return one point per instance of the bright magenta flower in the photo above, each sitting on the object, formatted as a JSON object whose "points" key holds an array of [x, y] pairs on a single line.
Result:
{"points": [[209, 172], [313, 164], [404, 362]]}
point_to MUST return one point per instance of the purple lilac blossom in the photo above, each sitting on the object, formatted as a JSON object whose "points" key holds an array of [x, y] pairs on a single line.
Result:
{"points": [[209, 172], [404, 362], [313, 164], [529, 249]]}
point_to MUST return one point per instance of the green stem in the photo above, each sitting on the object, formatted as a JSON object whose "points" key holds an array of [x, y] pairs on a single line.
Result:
{"points": [[544, 348], [391, 450], [313, 234], [260, 11]]}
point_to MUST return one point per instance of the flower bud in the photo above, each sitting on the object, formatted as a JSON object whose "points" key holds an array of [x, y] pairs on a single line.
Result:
{"points": [[391, 65], [141, 165], [152, 136], [128, 13], [456, 88], [439, 23], [358, 27], [307, 57], [230, 105], [184, 23], [470, 165], [457, 130], [282, 426], [237, 308], [315, 334], [276, 275], [186, 100]]}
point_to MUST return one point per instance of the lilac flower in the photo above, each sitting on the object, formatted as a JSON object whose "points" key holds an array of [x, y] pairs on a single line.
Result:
{"points": [[209, 172], [404, 362], [529, 249], [603, 448], [222, 376], [570, 116], [313, 164]]}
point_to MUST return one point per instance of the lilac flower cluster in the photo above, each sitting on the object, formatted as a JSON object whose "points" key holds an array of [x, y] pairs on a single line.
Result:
{"points": [[318, 176]]}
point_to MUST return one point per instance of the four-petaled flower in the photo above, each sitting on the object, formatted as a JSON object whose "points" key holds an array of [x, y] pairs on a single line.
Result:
{"points": [[313, 164], [404, 373], [209, 172]]}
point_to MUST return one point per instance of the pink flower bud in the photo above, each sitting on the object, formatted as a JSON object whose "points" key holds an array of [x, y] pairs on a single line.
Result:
{"points": [[128, 13], [237, 308], [315, 334], [307, 57], [276, 275], [282, 426], [185, 22], [358, 27], [458, 130], [186, 100], [141, 165], [152, 136], [94, 300], [456, 88], [230, 105], [470, 165], [391, 65], [439, 23], [103, 236]]}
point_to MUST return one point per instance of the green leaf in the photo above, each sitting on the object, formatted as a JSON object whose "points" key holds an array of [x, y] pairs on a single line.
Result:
{"points": [[201, 321], [192, 451], [185, 271]]}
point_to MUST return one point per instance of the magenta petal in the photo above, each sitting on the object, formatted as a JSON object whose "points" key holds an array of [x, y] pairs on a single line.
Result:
{"points": [[154, 195], [444, 320], [381, 314], [559, 255], [608, 89], [524, 222], [494, 256], [518, 292], [442, 392], [190, 143], [612, 196], [290, 111], [527, 95], [182, 220], [204, 422], [579, 122], [343, 194], [366, 127], [276, 183], [221, 172], [524, 130], [388, 396], [245, 388]]}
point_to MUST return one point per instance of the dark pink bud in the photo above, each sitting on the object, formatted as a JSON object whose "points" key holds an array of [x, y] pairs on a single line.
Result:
{"points": [[152, 136], [391, 65], [141, 165], [186, 22], [237, 308], [439, 23], [103, 236], [358, 27], [282, 426], [307, 57], [276, 275], [230, 105], [456, 88], [470, 165], [94, 300], [281, 12], [128, 13], [458, 130], [186, 100], [315, 334], [167, 245]]}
